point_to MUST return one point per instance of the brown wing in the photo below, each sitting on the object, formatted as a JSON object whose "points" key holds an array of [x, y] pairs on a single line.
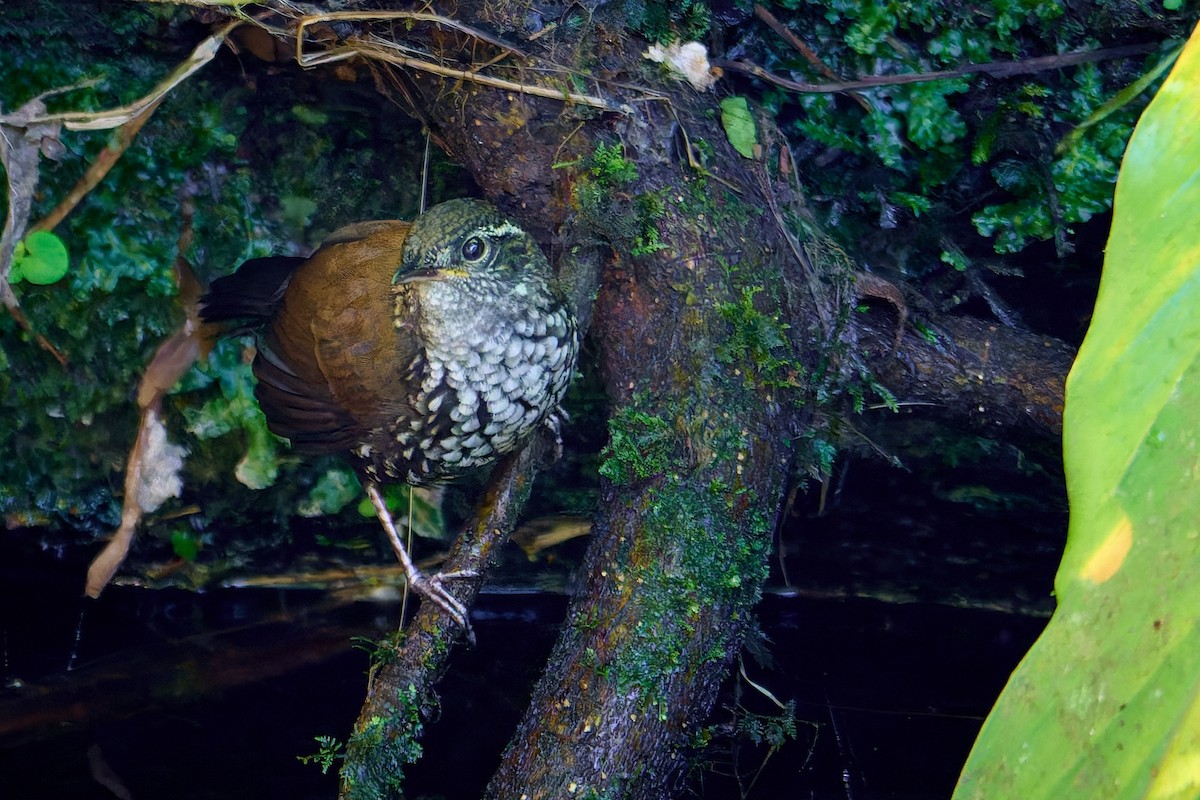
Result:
{"points": [[333, 364]]}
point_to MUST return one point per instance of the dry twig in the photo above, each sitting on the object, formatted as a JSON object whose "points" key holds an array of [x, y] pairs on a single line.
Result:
{"points": [[378, 48]]}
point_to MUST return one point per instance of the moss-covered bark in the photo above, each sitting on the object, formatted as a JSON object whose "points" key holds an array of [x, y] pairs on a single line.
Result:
{"points": [[679, 549]]}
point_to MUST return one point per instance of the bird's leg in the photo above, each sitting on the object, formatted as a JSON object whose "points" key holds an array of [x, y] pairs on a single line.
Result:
{"points": [[430, 588]]}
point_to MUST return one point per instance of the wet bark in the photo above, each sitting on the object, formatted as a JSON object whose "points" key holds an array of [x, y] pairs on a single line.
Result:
{"points": [[973, 371], [702, 417]]}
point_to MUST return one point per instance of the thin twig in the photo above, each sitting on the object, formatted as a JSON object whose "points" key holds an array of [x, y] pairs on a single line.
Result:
{"points": [[384, 50], [415, 16], [95, 173], [1118, 101], [996, 69], [803, 49], [14, 309]]}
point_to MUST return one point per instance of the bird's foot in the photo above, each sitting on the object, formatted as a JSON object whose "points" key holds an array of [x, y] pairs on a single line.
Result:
{"points": [[428, 586], [433, 589]]}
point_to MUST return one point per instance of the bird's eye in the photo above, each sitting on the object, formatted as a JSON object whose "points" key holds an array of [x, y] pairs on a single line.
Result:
{"points": [[473, 249]]}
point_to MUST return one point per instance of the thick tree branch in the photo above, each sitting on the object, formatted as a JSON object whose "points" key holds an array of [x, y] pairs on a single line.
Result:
{"points": [[982, 373], [676, 562]]}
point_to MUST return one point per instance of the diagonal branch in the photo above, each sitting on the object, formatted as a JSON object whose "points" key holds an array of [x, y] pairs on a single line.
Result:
{"points": [[400, 686], [401, 683]]}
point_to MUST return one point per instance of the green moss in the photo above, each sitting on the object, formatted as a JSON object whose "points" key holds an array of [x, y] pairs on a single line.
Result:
{"points": [[703, 538], [382, 749], [640, 446], [662, 21], [698, 553], [601, 192], [612, 792]]}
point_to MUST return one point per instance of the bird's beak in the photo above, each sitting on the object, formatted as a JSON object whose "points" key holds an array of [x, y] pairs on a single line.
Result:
{"points": [[415, 274]]}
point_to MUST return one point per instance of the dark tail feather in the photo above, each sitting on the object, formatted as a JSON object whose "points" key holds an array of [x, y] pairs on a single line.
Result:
{"points": [[251, 295]]}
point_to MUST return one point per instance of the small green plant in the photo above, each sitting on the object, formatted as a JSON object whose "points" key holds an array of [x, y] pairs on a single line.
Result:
{"points": [[329, 751], [867, 382], [661, 21], [815, 450], [650, 208], [924, 331], [380, 651], [185, 543], [759, 341], [608, 165], [773, 731]]}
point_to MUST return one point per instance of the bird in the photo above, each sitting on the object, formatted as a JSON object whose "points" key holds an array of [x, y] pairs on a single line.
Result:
{"points": [[420, 351]]}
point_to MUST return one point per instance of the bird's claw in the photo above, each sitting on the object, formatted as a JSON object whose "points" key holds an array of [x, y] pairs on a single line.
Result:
{"points": [[429, 587], [433, 589]]}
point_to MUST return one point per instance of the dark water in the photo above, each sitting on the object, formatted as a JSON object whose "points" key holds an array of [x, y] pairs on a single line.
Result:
{"points": [[182, 695]]}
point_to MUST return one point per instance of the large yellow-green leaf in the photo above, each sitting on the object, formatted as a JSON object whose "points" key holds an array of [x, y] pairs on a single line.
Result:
{"points": [[1107, 702]]}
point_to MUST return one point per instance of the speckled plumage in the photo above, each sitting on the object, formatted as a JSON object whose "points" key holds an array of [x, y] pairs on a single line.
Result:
{"points": [[393, 346], [498, 345]]}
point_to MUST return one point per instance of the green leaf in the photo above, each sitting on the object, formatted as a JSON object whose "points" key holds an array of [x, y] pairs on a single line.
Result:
{"points": [[885, 138], [297, 211], [185, 544], [259, 467], [310, 115], [739, 125], [40, 258], [333, 491], [930, 119], [1107, 702], [236, 410]]}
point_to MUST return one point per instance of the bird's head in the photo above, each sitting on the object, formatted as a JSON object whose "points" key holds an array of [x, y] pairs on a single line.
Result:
{"points": [[469, 242]]}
